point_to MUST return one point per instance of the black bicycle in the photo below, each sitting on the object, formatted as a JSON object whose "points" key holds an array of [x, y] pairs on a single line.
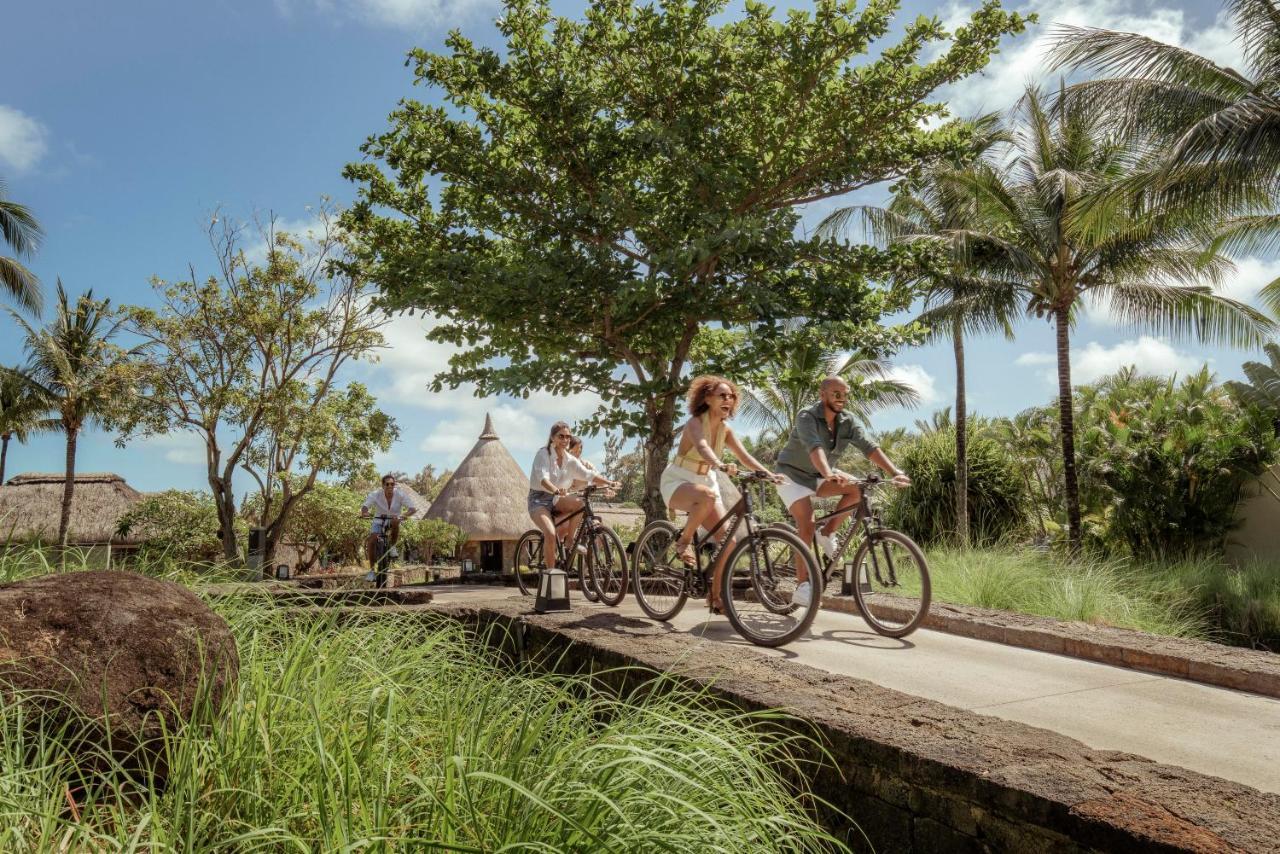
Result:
{"points": [[759, 583], [596, 555], [888, 576], [384, 553]]}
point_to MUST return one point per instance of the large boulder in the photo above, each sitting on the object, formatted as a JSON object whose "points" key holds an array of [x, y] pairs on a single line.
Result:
{"points": [[116, 655]]}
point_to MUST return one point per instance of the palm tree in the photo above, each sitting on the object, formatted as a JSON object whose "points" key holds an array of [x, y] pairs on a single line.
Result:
{"points": [[958, 300], [793, 378], [73, 365], [1216, 128], [22, 412], [19, 229], [1147, 264]]}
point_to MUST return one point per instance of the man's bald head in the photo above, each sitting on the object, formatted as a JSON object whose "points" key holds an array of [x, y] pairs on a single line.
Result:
{"points": [[832, 382]]}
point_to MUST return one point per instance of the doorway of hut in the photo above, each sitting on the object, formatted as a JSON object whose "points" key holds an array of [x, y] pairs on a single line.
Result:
{"points": [[491, 556]]}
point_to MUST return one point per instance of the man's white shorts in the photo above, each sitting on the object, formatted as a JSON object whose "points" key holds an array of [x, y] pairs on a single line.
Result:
{"points": [[790, 492]]}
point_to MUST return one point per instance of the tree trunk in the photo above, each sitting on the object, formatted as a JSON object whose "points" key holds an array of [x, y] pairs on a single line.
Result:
{"points": [[224, 499], [68, 489], [962, 439], [4, 454], [1067, 426], [657, 447]]}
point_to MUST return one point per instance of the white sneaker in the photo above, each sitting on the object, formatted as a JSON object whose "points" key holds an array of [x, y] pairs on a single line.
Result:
{"points": [[802, 594], [581, 548], [826, 542], [393, 552]]}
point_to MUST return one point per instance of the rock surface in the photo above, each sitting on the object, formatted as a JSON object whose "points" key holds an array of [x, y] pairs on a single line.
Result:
{"points": [[125, 650]]}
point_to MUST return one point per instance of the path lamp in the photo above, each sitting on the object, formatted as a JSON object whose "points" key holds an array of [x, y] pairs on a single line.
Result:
{"points": [[553, 591]]}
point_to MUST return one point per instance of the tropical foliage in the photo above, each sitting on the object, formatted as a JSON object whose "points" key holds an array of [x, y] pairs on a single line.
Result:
{"points": [[23, 412], [19, 229], [176, 524]]}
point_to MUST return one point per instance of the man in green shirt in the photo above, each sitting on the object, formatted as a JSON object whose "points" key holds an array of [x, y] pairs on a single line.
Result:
{"points": [[819, 436]]}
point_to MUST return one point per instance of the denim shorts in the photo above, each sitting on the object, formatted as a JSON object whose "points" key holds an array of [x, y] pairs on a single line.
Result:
{"points": [[541, 498]]}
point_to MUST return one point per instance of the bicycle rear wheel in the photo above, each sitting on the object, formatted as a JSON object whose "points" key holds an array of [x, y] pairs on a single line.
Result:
{"points": [[658, 577], [378, 561], [607, 562], [891, 583], [760, 584], [528, 561]]}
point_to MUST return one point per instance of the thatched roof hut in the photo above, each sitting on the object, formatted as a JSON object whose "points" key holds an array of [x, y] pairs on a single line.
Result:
{"points": [[31, 505], [485, 495]]}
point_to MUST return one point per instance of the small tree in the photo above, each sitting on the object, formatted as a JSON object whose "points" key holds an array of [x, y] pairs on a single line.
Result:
{"points": [[23, 411], [248, 361], [325, 519], [78, 372], [600, 189], [176, 524]]}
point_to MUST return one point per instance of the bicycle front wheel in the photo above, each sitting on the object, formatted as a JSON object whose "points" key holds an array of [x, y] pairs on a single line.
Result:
{"points": [[607, 561], [761, 587], [891, 583], [528, 561], [658, 577]]}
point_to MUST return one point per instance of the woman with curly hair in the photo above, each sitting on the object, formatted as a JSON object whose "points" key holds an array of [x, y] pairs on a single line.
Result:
{"points": [[689, 483]]}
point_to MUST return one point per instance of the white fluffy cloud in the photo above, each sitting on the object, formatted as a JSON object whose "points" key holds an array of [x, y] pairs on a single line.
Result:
{"points": [[23, 140], [1022, 59], [1251, 275], [925, 384], [181, 447], [400, 14], [1094, 360]]}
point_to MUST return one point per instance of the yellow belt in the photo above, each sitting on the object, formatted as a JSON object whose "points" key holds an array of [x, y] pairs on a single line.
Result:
{"points": [[697, 467]]}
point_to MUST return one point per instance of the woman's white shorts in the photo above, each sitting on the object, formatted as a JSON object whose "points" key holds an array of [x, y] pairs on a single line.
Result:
{"points": [[674, 476]]}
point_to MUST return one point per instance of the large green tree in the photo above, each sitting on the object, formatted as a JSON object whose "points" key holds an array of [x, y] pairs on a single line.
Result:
{"points": [[1215, 129], [19, 229], [249, 361], [581, 202], [1146, 263], [75, 367]]}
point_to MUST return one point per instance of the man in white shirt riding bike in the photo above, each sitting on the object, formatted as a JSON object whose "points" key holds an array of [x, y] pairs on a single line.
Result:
{"points": [[388, 501]]}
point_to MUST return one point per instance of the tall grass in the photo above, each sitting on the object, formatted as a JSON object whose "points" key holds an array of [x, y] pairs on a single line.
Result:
{"points": [[398, 733], [1196, 597]]}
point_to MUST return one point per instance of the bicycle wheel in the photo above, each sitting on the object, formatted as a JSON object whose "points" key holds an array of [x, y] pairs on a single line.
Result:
{"points": [[528, 561], [576, 562], [759, 583], [659, 579], [377, 560], [607, 562], [891, 583]]}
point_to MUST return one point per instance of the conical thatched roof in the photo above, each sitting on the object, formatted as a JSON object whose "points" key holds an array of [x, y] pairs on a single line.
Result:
{"points": [[31, 504], [486, 495]]}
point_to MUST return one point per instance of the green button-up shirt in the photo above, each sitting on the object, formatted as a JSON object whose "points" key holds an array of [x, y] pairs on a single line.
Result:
{"points": [[811, 431]]}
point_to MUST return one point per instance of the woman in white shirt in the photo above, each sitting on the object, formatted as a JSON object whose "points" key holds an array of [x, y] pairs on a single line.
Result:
{"points": [[553, 473]]}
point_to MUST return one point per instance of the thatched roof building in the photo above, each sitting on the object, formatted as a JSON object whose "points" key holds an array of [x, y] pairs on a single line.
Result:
{"points": [[486, 497], [31, 505]]}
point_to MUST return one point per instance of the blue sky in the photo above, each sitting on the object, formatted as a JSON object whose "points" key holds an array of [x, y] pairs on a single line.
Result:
{"points": [[125, 125]]}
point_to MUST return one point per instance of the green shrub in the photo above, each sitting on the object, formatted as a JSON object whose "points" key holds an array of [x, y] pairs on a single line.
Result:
{"points": [[175, 523], [927, 511]]}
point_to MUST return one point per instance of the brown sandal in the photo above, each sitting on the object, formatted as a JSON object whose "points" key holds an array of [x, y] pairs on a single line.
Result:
{"points": [[686, 555]]}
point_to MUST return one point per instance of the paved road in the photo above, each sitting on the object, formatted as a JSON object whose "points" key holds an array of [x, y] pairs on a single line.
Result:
{"points": [[1215, 731]]}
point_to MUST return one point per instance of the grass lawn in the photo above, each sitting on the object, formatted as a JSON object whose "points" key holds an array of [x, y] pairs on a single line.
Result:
{"points": [[1198, 598]]}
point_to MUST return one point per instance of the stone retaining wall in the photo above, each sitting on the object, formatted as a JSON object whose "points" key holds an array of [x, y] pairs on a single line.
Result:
{"points": [[914, 774]]}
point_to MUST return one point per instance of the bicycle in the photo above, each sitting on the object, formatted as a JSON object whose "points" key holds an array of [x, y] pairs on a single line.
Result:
{"points": [[596, 555], [759, 575], [384, 554], [893, 595]]}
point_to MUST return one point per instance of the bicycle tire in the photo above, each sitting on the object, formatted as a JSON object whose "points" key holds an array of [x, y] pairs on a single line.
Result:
{"points": [[662, 576], [878, 623], [608, 566], [376, 554], [783, 626], [528, 555]]}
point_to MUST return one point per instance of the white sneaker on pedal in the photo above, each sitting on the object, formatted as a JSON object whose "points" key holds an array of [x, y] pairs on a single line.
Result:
{"points": [[803, 593], [393, 552], [826, 542]]}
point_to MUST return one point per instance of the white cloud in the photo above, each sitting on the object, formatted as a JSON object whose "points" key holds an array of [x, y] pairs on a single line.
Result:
{"points": [[1094, 360], [925, 384], [1022, 59], [1251, 275], [182, 447], [23, 140], [400, 14]]}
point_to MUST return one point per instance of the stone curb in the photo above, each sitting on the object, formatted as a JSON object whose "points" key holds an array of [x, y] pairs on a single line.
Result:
{"points": [[1224, 666]]}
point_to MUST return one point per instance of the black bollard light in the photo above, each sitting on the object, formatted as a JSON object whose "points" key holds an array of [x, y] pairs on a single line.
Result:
{"points": [[553, 591]]}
